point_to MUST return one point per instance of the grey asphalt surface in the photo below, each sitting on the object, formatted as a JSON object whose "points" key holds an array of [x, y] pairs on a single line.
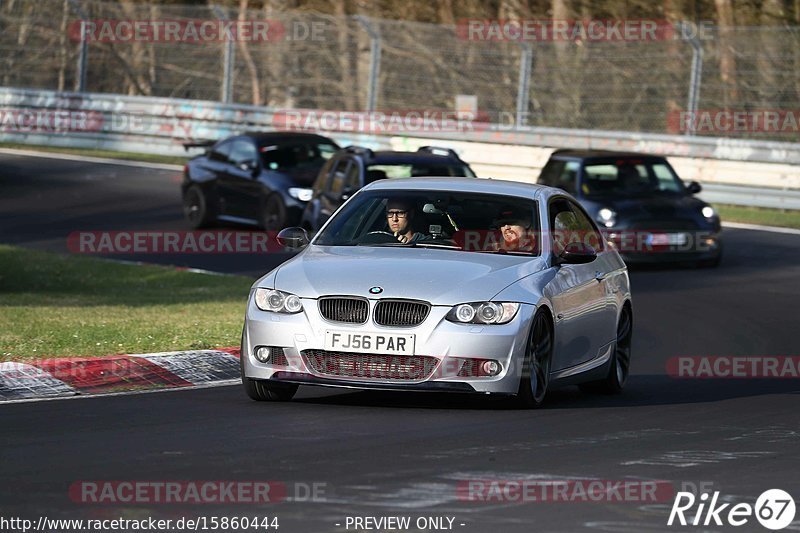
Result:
{"points": [[45, 200], [391, 454]]}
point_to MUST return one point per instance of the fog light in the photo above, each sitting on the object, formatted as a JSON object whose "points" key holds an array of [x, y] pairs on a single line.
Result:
{"points": [[262, 354], [490, 368]]}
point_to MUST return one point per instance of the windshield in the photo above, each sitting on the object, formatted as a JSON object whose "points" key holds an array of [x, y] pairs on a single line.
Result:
{"points": [[470, 222], [296, 156], [630, 177], [377, 172]]}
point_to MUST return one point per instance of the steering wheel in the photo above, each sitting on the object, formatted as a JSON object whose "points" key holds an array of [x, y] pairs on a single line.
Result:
{"points": [[379, 237]]}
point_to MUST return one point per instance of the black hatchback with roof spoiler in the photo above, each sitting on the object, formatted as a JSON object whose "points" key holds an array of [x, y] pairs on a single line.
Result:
{"points": [[356, 166]]}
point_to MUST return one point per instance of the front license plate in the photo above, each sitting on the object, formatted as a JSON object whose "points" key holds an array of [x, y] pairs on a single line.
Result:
{"points": [[379, 343], [668, 239]]}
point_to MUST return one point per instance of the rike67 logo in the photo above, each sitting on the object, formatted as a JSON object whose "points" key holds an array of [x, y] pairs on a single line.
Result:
{"points": [[774, 509]]}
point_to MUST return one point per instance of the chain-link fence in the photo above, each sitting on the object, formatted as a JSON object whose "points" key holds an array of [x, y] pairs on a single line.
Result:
{"points": [[355, 63]]}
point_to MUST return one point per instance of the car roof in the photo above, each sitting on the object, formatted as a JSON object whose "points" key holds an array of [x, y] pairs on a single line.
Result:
{"points": [[385, 157], [477, 185], [263, 137], [601, 154]]}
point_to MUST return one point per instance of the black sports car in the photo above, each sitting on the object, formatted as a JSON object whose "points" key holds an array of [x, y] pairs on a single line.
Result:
{"points": [[640, 203], [255, 178]]}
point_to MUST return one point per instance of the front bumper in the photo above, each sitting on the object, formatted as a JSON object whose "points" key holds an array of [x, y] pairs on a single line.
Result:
{"points": [[448, 343], [639, 247]]}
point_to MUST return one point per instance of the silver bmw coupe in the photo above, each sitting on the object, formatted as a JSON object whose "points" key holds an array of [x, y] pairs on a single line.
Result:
{"points": [[443, 284]]}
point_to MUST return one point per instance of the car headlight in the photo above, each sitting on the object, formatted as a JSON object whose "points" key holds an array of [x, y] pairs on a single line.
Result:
{"points": [[607, 217], [301, 193], [483, 313], [708, 212], [277, 301]]}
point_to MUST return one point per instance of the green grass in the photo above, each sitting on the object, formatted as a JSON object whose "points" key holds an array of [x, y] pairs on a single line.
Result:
{"points": [[128, 156], [787, 218], [54, 305]]}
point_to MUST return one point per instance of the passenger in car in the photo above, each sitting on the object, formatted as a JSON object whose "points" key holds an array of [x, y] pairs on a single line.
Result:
{"points": [[515, 227]]}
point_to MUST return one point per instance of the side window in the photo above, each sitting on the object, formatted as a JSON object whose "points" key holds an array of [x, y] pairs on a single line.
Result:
{"points": [[351, 181], [243, 151], [336, 183], [322, 177], [563, 225], [588, 234], [666, 179], [220, 152], [568, 178], [561, 174], [569, 224]]}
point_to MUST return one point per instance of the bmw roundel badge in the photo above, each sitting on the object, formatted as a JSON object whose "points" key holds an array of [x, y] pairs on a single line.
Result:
{"points": [[375, 290]]}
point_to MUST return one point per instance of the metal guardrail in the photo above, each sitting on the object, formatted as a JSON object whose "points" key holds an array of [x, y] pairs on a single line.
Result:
{"points": [[169, 120], [160, 125], [750, 196]]}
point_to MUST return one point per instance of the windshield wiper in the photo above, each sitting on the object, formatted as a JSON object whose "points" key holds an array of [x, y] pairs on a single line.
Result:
{"points": [[507, 252], [436, 245]]}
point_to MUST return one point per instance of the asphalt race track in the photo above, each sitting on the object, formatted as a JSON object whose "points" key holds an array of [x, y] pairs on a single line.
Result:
{"points": [[388, 454], [45, 200]]}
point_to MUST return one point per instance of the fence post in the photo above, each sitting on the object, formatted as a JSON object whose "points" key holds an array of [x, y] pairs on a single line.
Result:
{"points": [[523, 87], [83, 53], [374, 62], [695, 80], [228, 60]]}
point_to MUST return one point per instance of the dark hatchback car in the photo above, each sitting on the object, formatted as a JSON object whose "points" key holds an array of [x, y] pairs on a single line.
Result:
{"points": [[355, 166], [640, 203], [257, 178]]}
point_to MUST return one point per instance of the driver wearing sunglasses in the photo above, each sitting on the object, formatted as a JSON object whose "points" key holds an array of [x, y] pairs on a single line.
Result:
{"points": [[399, 216]]}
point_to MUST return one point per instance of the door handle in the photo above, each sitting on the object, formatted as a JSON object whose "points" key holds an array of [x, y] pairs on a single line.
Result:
{"points": [[600, 276]]}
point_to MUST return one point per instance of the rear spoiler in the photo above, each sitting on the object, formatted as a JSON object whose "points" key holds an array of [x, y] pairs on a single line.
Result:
{"points": [[198, 144]]}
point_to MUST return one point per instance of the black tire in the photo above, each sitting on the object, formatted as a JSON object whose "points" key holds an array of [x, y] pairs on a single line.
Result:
{"points": [[273, 213], [265, 391], [536, 366], [196, 207], [620, 366]]}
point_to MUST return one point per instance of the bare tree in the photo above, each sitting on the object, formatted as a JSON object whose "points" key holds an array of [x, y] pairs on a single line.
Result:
{"points": [[727, 57], [252, 69]]}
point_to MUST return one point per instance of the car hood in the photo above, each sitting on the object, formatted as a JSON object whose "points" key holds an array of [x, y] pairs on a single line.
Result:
{"points": [[442, 277], [651, 207], [301, 177]]}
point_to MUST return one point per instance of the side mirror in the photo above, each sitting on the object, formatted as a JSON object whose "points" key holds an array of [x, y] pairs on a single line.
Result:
{"points": [[248, 166], [293, 238], [577, 253], [694, 187]]}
